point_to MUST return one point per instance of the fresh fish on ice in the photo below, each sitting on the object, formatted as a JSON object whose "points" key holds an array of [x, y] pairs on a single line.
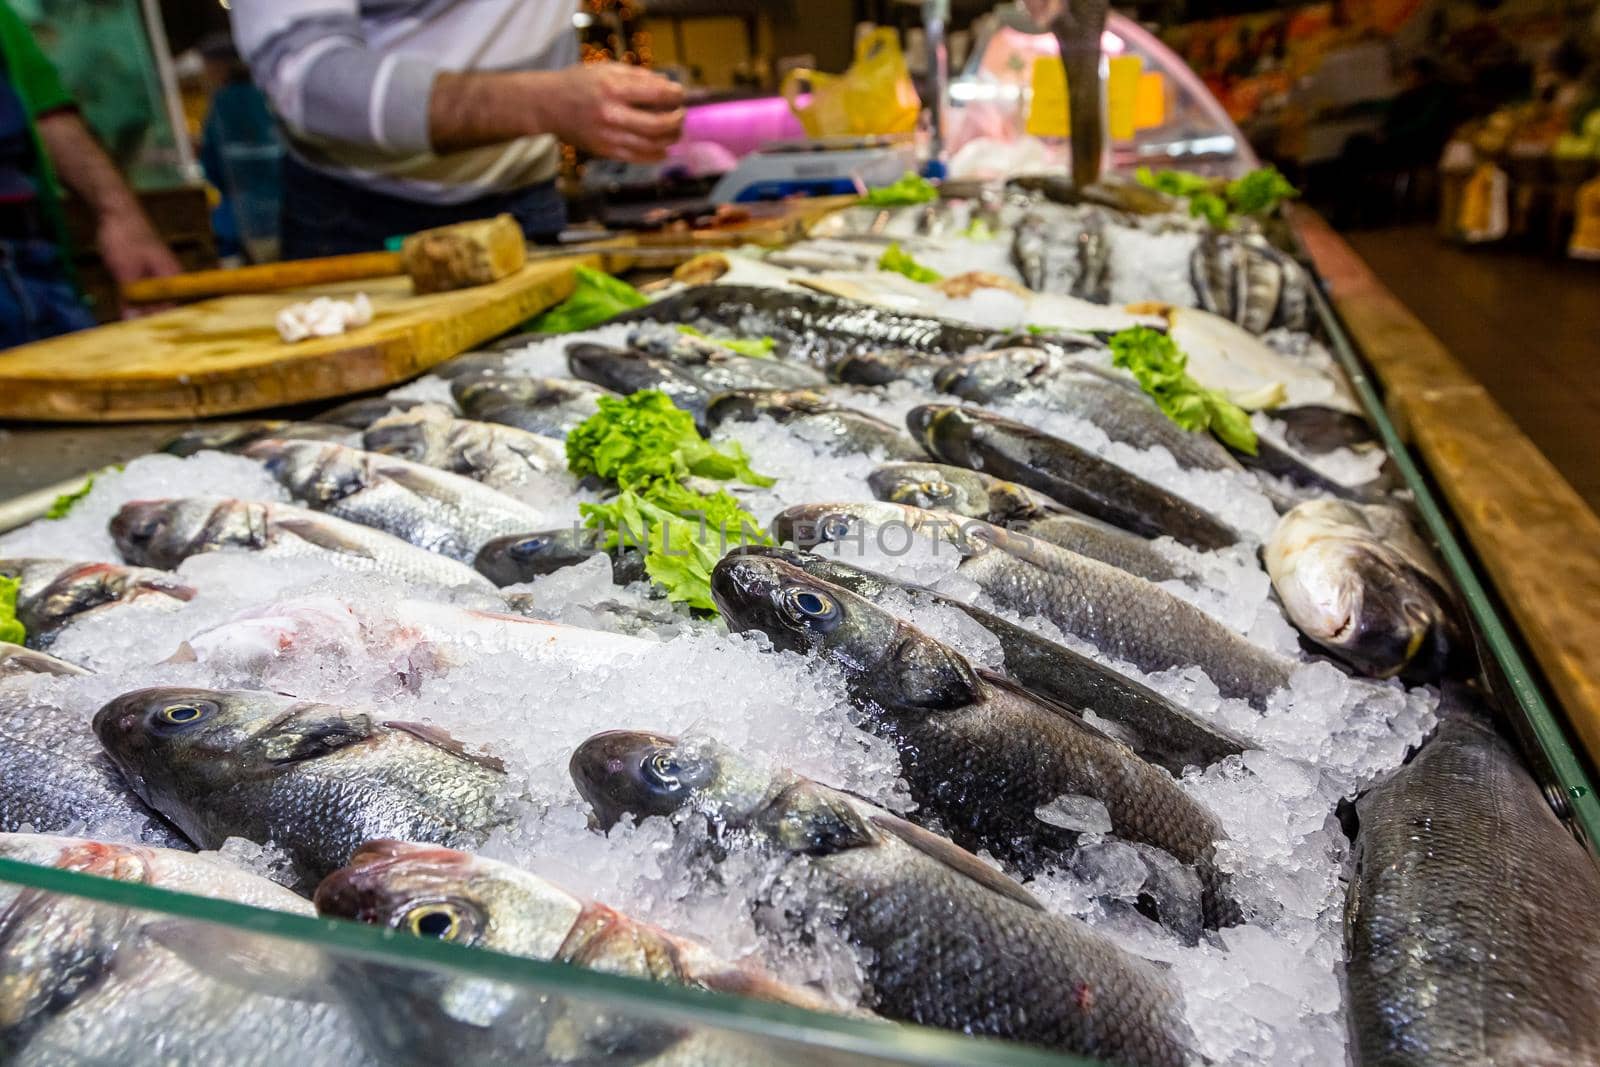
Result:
{"points": [[55, 592], [815, 418], [501, 457], [523, 557], [548, 406]]}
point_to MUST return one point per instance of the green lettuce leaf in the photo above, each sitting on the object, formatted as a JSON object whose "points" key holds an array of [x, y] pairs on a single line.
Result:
{"points": [[1162, 372], [899, 260], [757, 348], [1260, 191], [910, 188], [11, 629], [63, 504], [597, 298], [637, 439], [682, 533], [1218, 202]]}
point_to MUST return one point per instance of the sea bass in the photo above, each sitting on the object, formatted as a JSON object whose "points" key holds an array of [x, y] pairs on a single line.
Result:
{"points": [[948, 941], [164, 533], [54, 776], [813, 416], [548, 406], [524, 557], [1473, 917], [92, 983], [434, 892], [1157, 729], [432, 509], [982, 755], [1119, 613], [315, 779], [55, 592], [690, 380], [969, 437], [501, 457], [1359, 581]]}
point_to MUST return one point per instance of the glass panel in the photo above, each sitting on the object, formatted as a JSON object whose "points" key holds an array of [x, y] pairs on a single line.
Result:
{"points": [[131, 968]]}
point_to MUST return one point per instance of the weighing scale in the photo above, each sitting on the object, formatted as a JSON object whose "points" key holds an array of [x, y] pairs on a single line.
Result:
{"points": [[821, 166]]}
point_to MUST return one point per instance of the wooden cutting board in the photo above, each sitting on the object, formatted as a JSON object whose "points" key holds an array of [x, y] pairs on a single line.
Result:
{"points": [[223, 356]]}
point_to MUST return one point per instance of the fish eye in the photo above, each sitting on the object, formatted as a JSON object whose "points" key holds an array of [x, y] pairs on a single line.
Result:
{"points": [[936, 489], [184, 713], [437, 920], [836, 529], [529, 546], [662, 769], [808, 605]]}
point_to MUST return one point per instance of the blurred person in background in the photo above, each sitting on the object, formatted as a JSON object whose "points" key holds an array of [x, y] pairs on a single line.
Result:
{"points": [[44, 144], [407, 114]]}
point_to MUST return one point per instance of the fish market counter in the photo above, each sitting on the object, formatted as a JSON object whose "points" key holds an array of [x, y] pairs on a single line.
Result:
{"points": [[1531, 532]]}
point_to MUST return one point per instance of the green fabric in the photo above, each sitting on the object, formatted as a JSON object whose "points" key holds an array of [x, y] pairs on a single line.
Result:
{"points": [[39, 86]]}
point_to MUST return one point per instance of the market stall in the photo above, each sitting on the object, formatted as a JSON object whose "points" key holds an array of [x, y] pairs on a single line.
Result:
{"points": [[1018, 621]]}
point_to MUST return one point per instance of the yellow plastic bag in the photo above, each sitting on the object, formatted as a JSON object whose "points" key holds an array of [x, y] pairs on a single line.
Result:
{"points": [[874, 96]]}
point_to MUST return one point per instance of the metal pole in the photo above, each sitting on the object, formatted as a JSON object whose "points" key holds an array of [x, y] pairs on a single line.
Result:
{"points": [[156, 31], [935, 14]]}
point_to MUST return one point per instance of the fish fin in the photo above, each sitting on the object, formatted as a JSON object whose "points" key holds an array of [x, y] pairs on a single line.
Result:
{"points": [[1010, 685], [247, 961], [954, 857], [322, 535], [438, 738], [184, 654], [421, 481], [815, 819]]}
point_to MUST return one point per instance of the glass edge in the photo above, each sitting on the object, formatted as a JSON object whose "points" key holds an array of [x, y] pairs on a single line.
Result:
{"points": [[904, 1043], [1577, 791]]}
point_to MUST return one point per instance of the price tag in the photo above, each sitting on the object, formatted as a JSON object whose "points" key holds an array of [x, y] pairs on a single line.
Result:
{"points": [[1047, 111]]}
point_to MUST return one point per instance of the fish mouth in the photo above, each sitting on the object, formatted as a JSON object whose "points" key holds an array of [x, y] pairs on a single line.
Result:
{"points": [[606, 770], [919, 420], [741, 584], [136, 524], [364, 889]]}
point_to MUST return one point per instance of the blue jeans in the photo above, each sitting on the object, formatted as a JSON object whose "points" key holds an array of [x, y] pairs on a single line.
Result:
{"points": [[323, 216], [36, 299]]}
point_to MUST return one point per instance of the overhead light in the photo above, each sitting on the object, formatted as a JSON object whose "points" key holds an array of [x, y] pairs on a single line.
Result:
{"points": [[582, 20]]}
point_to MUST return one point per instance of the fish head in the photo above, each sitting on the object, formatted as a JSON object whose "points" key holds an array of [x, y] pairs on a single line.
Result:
{"points": [[617, 368], [874, 368], [988, 376], [886, 660], [808, 525], [434, 892], [524, 557], [480, 392], [164, 533], [626, 772], [828, 569], [315, 471], [180, 747], [90, 585], [221, 438], [415, 435], [747, 405], [935, 426], [933, 486]]}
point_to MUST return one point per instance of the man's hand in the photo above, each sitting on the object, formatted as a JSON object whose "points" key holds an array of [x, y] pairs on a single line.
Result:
{"points": [[132, 250], [614, 110]]}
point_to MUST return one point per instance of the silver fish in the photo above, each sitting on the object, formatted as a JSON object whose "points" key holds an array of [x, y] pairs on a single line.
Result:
{"points": [[1359, 581], [524, 557], [432, 509], [948, 941], [1473, 918], [816, 418], [359, 414], [501, 457], [315, 779], [164, 533], [94, 983], [54, 775], [55, 592], [548, 406], [230, 437], [1124, 616], [20, 661]]}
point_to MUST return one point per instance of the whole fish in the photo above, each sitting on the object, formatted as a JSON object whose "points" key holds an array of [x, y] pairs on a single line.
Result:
{"points": [[94, 983], [164, 533], [982, 755], [232, 436], [54, 775], [1472, 920], [315, 779], [690, 380], [1157, 729], [814, 417], [18, 661], [432, 509], [434, 892], [55, 592], [871, 367], [548, 406], [469, 363], [1119, 613], [359, 414], [807, 326], [501, 457], [524, 557], [973, 494], [1088, 391], [968, 437], [1359, 581], [1245, 279], [948, 941]]}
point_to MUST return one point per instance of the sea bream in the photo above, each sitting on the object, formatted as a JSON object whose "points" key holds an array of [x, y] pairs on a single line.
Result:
{"points": [[523, 557], [1359, 582], [946, 940], [95, 983], [984, 441], [315, 779], [984, 757], [1153, 726], [432, 892], [502, 457], [816, 418], [548, 406], [55, 592], [164, 533], [55, 777], [1124, 616], [1472, 920], [432, 509]]}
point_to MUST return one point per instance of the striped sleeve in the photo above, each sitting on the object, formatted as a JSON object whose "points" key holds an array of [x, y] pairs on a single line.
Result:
{"points": [[311, 59]]}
